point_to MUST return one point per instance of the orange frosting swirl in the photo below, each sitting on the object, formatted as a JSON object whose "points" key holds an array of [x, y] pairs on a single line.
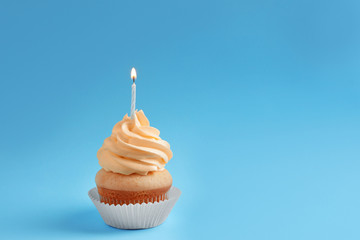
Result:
{"points": [[134, 147]]}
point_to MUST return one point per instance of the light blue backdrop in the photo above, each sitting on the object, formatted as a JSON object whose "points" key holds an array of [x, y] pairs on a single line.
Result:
{"points": [[258, 99]]}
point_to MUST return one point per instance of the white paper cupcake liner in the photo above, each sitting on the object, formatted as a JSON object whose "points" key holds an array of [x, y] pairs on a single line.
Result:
{"points": [[138, 216]]}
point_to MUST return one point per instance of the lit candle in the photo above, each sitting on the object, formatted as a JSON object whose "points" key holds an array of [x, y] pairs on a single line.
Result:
{"points": [[133, 93]]}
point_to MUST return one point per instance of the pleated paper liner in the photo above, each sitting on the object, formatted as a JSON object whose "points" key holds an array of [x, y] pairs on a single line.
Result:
{"points": [[138, 216]]}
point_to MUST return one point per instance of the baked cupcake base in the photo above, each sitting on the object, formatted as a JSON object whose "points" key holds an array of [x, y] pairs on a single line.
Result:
{"points": [[132, 197], [116, 188]]}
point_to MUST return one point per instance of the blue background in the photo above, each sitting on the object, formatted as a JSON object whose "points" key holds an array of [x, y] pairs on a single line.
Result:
{"points": [[258, 99]]}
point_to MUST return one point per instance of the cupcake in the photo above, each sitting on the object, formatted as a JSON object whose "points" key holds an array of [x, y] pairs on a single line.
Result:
{"points": [[133, 160]]}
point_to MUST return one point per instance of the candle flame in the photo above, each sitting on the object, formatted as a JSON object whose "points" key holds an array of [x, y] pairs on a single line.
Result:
{"points": [[133, 74]]}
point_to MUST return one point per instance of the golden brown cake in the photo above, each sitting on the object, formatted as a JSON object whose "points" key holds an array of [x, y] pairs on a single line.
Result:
{"points": [[121, 189], [133, 160]]}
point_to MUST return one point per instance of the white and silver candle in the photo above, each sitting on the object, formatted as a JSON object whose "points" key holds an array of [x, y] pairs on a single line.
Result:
{"points": [[133, 93]]}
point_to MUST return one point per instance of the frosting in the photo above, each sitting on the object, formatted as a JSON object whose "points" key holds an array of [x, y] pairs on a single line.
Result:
{"points": [[134, 147]]}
